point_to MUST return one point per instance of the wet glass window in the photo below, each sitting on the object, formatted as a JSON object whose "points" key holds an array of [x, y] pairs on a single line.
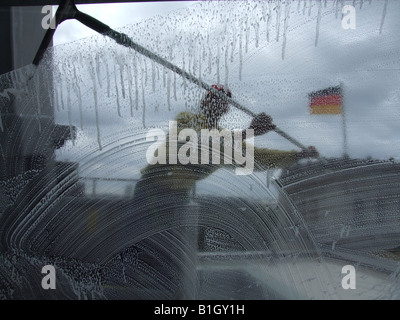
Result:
{"points": [[220, 150]]}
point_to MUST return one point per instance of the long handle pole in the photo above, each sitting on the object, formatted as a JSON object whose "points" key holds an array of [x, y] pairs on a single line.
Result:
{"points": [[123, 39]]}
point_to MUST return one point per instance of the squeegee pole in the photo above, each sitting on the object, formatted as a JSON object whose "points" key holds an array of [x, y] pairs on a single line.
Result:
{"points": [[123, 39]]}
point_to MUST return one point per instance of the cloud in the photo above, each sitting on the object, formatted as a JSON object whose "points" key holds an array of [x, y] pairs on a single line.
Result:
{"points": [[116, 15]]}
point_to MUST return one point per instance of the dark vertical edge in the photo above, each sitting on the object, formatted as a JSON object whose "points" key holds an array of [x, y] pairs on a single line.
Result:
{"points": [[5, 40]]}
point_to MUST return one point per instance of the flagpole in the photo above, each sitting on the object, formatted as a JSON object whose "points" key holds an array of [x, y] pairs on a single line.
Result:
{"points": [[344, 124]]}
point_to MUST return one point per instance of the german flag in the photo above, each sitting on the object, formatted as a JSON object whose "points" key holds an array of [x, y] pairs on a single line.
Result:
{"points": [[327, 101]]}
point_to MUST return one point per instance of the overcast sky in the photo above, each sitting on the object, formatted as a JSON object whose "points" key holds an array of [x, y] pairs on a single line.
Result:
{"points": [[363, 60], [115, 15]]}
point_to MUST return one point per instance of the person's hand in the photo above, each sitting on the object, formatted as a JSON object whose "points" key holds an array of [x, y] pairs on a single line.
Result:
{"points": [[310, 152], [262, 123]]}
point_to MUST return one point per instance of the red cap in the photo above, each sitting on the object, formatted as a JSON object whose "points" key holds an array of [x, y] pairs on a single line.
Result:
{"points": [[221, 88]]}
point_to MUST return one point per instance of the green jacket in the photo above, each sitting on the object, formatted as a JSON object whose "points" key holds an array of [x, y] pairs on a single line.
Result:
{"points": [[183, 177]]}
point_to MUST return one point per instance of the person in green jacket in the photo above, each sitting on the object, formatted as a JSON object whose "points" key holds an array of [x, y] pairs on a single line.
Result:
{"points": [[182, 178], [160, 216]]}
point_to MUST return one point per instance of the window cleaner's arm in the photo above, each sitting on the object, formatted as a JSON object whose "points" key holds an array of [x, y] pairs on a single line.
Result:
{"points": [[67, 10]]}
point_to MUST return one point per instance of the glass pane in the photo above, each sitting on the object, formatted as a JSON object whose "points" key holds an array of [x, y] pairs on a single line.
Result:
{"points": [[100, 179]]}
